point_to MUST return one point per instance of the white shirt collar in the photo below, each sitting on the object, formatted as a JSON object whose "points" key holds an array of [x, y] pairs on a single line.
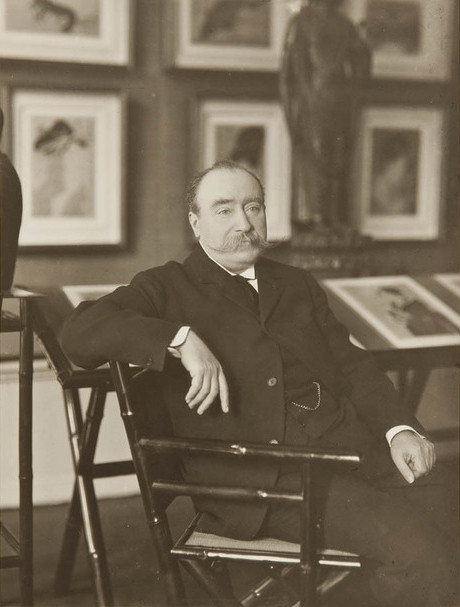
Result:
{"points": [[249, 273]]}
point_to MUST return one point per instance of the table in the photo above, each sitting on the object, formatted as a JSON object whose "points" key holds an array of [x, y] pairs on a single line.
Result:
{"points": [[413, 365]]}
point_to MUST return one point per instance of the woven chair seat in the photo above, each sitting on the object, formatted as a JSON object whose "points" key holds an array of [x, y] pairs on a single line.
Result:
{"points": [[263, 544]]}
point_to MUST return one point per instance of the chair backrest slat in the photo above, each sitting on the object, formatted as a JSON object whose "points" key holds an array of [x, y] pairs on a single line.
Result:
{"points": [[145, 415]]}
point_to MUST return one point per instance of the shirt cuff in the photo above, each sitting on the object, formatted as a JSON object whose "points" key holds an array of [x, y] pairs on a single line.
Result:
{"points": [[178, 339], [392, 432]]}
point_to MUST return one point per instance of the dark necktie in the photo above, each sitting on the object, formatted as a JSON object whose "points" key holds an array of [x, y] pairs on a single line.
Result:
{"points": [[251, 295]]}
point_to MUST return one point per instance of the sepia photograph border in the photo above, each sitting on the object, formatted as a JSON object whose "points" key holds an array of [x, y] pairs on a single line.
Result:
{"points": [[209, 114], [340, 286], [112, 46], [434, 59], [182, 52], [425, 223], [107, 228]]}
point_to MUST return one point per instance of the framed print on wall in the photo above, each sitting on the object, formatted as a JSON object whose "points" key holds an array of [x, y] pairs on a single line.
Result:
{"points": [[397, 188], [76, 31], [67, 148], [252, 133], [410, 39], [405, 313], [239, 35]]}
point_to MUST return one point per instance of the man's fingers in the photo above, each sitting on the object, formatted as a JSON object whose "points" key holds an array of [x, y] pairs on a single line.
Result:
{"points": [[404, 468], [413, 455], [223, 391], [195, 387], [207, 376], [422, 460], [202, 393], [430, 454], [210, 397], [418, 466], [433, 455]]}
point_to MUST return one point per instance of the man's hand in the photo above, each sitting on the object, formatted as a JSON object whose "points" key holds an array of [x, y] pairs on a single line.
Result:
{"points": [[413, 456], [208, 378]]}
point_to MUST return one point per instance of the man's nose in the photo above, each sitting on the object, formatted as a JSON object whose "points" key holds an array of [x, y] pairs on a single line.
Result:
{"points": [[242, 223]]}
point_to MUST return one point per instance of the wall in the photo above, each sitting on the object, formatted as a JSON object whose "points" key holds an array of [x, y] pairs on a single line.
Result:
{"points": [[159, 160]]}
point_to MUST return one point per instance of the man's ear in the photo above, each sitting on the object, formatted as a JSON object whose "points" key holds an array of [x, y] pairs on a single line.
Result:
{"points": [[193, 219]]}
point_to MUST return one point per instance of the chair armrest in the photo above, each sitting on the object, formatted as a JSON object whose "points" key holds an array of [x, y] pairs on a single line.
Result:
{"points": [[298, 455]]}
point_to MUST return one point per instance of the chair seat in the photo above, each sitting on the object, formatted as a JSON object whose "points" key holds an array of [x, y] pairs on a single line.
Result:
{"points": [[196, 543]]}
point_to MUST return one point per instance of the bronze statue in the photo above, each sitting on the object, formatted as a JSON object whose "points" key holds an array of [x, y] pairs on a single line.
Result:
{"points": [[325, 59]]}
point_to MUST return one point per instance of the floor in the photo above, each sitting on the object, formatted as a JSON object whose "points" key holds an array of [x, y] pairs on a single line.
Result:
{"points": [[135, 578]]}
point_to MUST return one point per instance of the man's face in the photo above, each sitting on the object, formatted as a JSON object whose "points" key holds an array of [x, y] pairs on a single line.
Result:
{"points": [[230, 218]]}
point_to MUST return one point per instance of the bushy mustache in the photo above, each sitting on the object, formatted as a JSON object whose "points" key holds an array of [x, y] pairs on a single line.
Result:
{"points": [[233, 241]]}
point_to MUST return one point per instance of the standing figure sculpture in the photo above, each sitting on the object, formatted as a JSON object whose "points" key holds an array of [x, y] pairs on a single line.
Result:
{"points": [[325, 59]]}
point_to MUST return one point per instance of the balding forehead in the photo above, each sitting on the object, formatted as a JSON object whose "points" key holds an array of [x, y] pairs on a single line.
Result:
{"points": [[214, 173]]}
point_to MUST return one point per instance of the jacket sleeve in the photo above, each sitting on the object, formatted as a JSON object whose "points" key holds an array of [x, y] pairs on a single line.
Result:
{"points": [[126, 325], [371, 391]]}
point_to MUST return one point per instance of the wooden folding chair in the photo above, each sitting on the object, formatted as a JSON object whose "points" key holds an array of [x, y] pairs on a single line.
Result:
{"points": [[155, 460], [83, 433]]}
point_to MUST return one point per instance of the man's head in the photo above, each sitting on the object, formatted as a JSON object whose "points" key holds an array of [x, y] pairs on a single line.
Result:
{"points": [[227, 214]]}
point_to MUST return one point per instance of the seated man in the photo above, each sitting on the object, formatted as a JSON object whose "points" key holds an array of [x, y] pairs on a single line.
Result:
{"points": [[250, 351]]}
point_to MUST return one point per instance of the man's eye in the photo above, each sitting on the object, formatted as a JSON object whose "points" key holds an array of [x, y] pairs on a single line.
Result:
{"points": [[254, 208], [223, 211]]}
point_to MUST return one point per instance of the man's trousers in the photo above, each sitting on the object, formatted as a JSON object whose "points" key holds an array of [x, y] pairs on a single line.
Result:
{"points": [[406, 534]]}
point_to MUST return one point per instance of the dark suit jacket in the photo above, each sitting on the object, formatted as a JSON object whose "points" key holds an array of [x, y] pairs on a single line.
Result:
{"points": [[136, 323]]}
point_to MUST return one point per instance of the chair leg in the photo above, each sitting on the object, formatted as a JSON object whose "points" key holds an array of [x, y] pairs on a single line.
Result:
{"points": [[84, 512], [25, 458], [168, 565], [278, 579], [69, 546], [214, 579]]}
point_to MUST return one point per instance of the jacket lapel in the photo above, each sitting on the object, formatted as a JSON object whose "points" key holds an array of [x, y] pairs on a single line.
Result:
{"points": [[208, 272], [270, 288]]}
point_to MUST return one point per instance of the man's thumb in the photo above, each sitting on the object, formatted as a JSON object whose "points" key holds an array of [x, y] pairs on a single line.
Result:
{"points": [[404, 469]]}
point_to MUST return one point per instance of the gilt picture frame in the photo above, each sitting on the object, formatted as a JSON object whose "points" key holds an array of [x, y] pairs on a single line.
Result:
{"points": [[401, 310], [252, 133], [399, 173], [410, 39], [240, 35], [74, 31], [67, 148]]}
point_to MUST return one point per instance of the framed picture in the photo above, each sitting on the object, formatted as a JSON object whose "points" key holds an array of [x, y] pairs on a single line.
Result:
{"points": [[81, 31], [67, 148], [398, 173], [450, 281], [236, 35], [410, 39], [78, 293], [405, 313], [253, 134]]}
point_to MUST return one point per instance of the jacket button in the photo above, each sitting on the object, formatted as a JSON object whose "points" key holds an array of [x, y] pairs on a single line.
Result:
{"points": [[273, 441], [272, 382]]}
